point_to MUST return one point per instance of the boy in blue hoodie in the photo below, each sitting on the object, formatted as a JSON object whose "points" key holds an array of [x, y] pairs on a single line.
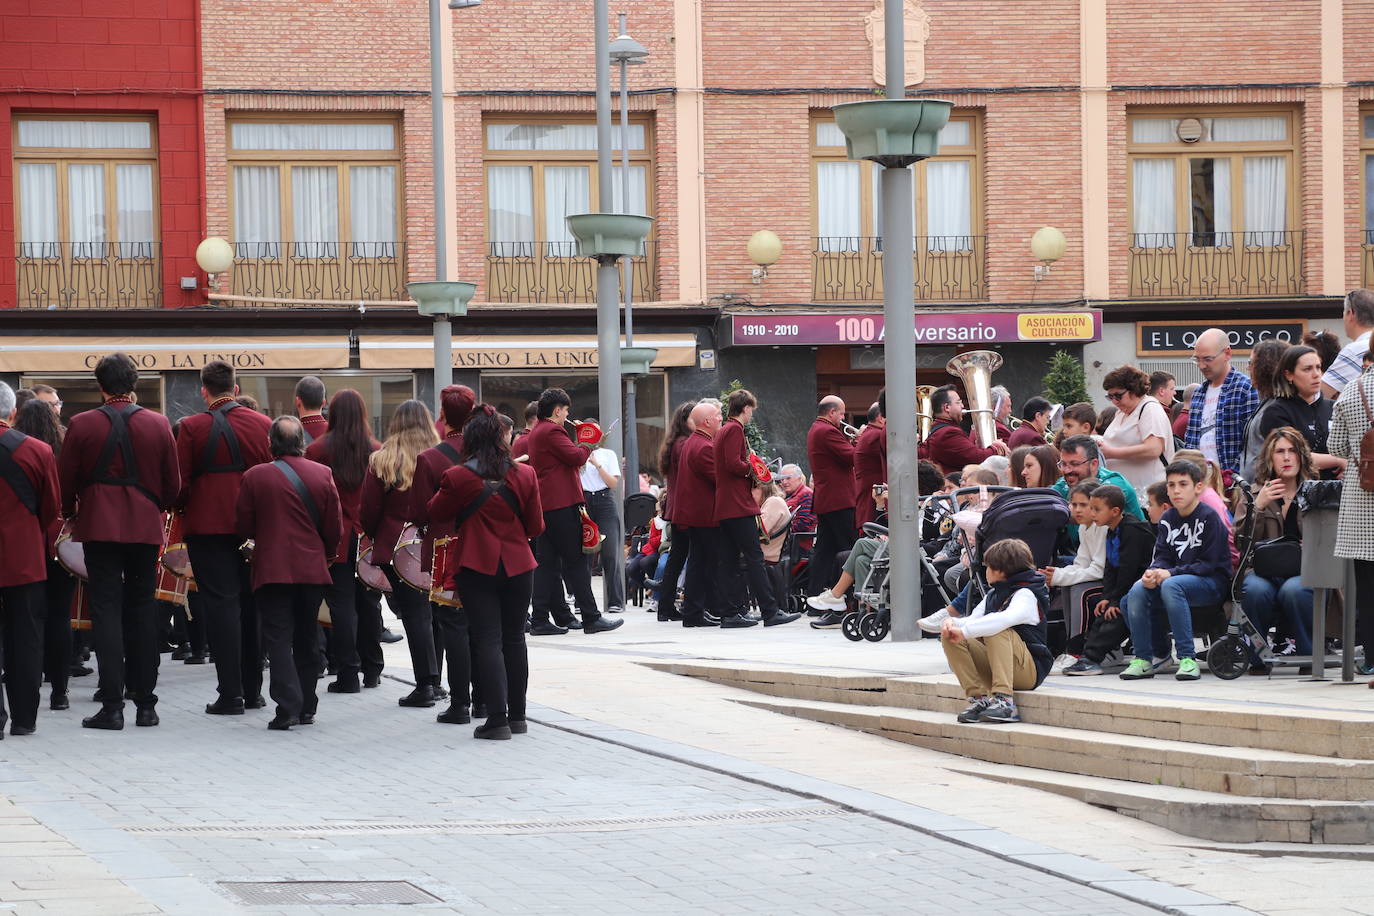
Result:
{"points": [[1191, 566]]}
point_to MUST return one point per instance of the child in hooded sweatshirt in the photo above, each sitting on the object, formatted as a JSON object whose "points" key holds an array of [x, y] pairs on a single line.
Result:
{"points": [[1000, 646]]}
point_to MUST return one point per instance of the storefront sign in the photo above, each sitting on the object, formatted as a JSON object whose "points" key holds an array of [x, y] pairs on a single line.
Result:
{"points": [[949, 328], [1176, 338], [160, 354], [381, 351]]}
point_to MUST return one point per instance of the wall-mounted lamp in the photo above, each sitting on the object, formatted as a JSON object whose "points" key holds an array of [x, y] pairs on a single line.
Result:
{"points": [[1047, 246], [764, 250], [215, 256]]}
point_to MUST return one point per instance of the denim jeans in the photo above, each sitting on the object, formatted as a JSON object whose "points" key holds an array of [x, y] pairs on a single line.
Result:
{"points": [[1288, 597], [1148, 610]]}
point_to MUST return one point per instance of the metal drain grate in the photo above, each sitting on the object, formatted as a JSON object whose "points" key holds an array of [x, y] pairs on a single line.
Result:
{"points": [[328, 893], [585, 825]]}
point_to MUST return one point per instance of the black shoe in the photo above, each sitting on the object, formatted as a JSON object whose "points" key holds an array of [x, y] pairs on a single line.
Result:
{"points": [[602, 624], [307, 718], [109, 717], [17, 729], [830, 620], [492, 732], [419, 698], [181, 652], [390, 637], [146, 718], [281, 722], [545, 628], [707, 619], [519, 726], [439, 692], [59, 701], [454, 715], [572, 624], [479, 710], [79, 670], [195, 659], [256, 702], [779, 617], [341, 686], [371, 680], [222, 707], [736, 622], [665, 618]]}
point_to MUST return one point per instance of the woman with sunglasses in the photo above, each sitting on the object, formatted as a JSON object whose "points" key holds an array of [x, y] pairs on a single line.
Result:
{"points": [[1139, 442]]}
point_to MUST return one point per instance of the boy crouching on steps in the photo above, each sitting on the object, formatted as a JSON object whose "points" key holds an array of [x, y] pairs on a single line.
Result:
{"points": [[1000, 646]]}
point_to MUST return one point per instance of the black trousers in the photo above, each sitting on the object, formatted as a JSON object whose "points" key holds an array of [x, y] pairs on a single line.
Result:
{"points": [[22, 608], [124, 620], [342, 597], [637, 568], [672, 571], [452, 629], [290, 616], [193, 615], [223, 583], [1102, 636], [496, 613], [701, 589], [834, 532], [604, 508], [562, 562], [368, 603], [413, 608], [57, 626], [1364, 608], [740, 538]]}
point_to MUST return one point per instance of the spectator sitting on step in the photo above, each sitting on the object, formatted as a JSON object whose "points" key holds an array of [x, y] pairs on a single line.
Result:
{"points": [[1088, 562], [1000, 645], [1079, 420], [1157, 502]]}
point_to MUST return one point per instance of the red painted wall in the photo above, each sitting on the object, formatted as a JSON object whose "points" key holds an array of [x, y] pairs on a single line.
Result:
{"points": [[103, 56]]}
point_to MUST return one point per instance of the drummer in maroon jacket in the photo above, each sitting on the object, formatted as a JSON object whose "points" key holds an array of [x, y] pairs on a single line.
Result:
{"points": [[870, 462], [29, 504], [214, 448], [118, 470], [521, 444], [832, 468], [492, 568], [736, 513], [310, 408], [455, 406], [556, 461], [290, 507]]}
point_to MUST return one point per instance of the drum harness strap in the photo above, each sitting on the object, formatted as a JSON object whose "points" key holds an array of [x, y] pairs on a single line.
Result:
{"points": [[450, 452], [490, 488], [118, 438], [221, 430], [14, 475], [302, 491]]}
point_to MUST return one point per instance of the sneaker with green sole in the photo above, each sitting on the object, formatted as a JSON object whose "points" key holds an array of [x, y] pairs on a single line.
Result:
{"points": [[1138, 670], [1187, 670]]}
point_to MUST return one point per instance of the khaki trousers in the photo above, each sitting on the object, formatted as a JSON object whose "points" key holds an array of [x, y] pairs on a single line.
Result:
{"points": [[991, 664]]}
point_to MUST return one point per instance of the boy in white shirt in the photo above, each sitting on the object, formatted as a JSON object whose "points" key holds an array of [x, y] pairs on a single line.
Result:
{"points": [[1090, 561]]}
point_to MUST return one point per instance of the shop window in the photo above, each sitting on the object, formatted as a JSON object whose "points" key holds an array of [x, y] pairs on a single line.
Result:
{"points": [[86, 215], [80, 393], [382, 393]]}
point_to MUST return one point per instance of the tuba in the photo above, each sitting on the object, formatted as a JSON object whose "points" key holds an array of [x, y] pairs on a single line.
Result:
{"points": [[975, 369], [923, 415]]}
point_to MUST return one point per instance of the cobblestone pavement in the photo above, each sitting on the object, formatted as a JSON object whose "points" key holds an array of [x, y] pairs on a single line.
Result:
{"points": [[150, 820]]}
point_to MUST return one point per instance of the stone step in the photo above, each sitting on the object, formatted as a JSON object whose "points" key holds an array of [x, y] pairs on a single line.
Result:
{"points": [[1230, 771], [1073, 704]]}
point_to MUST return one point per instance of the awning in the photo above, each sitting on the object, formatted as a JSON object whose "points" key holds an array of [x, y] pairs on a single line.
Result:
{"points": [[153, 354], [408, 351]]}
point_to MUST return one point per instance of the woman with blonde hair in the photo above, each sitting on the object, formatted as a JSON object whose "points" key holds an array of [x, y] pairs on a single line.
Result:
{"points": [[384, 508]]}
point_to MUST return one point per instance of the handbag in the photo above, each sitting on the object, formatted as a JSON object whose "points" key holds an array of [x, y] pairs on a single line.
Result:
{"points": [[1278, 558]]}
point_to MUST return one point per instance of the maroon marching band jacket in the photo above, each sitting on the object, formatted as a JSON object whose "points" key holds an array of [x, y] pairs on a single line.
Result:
{"points": [[27, 540], [429, 471], [870, 467], [1025, 434], [492, 537], [319, 451], [209, 498], [315, 426], [116, 512], [951, 448], [832, 467], [557, 463], [290, 549], [520, 445], [1003, 431], [694, 501], [734, 487], [382, 513]]}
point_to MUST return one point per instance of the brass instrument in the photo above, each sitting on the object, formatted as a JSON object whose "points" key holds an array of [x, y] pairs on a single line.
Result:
{"points": [[851, 433], [975, 369], [924, 418], [1014, 423]]}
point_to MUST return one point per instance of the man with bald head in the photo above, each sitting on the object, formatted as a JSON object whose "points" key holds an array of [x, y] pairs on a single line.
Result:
{"points": [[694, 524], [1220, 408], [831, 454]]}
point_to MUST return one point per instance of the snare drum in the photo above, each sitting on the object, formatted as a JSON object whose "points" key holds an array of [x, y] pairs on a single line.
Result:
{"points": [[406, 560], [368, 574], [445, 552], [71, 554], [176, 559], [171, 587]]}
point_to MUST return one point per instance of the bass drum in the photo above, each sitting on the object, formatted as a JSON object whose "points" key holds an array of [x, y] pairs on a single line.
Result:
{"points": [[71, 554], [368, 574], [407, 560]]}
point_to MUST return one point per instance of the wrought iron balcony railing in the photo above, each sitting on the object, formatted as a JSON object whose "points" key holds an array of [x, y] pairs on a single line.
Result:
{"points": [[89, 275], [948, 268], [1168, 265], [371, 271], [552, 272]]}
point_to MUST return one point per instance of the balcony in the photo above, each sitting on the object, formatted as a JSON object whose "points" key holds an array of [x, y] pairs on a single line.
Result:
{"points": [[89, 275], [949, 268], [552, 272], [1186, 265], [357, 271]]}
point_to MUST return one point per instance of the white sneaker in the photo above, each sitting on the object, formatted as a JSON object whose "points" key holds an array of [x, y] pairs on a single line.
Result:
{"points": [[826, 602], [1165, 665], [651, 605], [1114, 660], [933, 623]]}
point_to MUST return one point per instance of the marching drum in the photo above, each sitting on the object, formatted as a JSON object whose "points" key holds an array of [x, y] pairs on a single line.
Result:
{"points": [[445, 550], [71, 554], [407, 560], [81, 606], [175, 558], [591, 534], [368, 574]]}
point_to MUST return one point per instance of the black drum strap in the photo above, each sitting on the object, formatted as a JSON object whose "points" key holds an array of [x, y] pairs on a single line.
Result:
{"points": [[119, 439], [221, 431], [490, 488], [450, 452], [302, 490], [13, 474]]}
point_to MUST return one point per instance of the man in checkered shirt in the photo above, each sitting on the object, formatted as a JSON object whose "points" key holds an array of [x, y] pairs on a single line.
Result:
{"points": [[1358, 317], [1221, 408]]}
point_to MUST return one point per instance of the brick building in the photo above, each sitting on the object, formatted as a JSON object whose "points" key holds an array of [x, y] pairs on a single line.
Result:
{"points": [[1205, 164]]}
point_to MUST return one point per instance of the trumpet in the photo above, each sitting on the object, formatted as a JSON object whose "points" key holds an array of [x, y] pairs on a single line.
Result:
{"points": [[851, 433]]}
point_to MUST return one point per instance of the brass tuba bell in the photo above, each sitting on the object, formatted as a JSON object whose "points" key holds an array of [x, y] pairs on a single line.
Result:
{"points": [[924, 418], [975, 369]]}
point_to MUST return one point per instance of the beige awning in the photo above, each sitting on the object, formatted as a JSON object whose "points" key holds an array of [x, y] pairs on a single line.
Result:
{"points": [[408, 351], [154, 354]]}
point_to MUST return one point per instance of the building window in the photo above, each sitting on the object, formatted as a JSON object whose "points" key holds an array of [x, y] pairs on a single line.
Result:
{"points": [[537, 174], [314, 209], [87, 212], [950, 247], [1367, 189], [1211, 199]]}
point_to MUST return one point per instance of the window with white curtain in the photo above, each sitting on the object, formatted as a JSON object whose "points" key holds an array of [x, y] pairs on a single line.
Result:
{"points": [[1226, 185], [1367, 173], [87, 188]]}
